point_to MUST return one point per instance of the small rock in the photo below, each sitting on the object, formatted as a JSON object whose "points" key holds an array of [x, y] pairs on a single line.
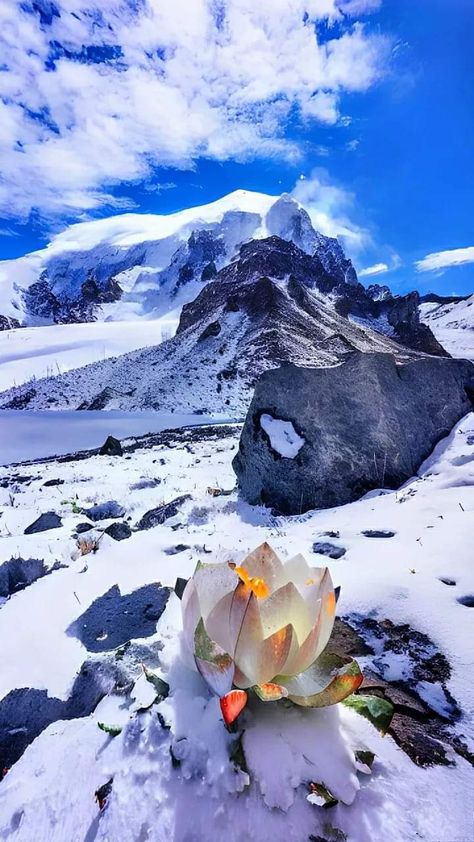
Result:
{"points": [[102, 511], [156, 517], [145, 482], [331, 533], [446, 581], [83, 527], [378, 533], [330, 550], [118, 531], [468, 600], [179, 548], [180, 586], [48, 520], [111, 447], [50, 482]]}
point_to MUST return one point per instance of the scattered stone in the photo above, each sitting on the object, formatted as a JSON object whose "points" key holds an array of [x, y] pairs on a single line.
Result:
{"points": [[26, 712], [83, 527], [179, 548], [17, 573], [378, 533], [446, 581], [111, 447], [179, 587], [152, 482], [352, 443], [113, 619], [468, 601], [46, 521], [51, 482], [331, 533], [102, 511], [156, 517], [330, 550], [118, 531]]}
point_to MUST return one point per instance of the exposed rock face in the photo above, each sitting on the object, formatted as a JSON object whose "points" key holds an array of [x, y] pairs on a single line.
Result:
{"points": [[7, 323], [267, 308], [366, 424], [72, 306]]}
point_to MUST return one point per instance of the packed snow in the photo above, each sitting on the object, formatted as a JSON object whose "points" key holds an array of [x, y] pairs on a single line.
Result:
{"points": [[452, 324], [283, 436], [170, 768], [47, 350]]}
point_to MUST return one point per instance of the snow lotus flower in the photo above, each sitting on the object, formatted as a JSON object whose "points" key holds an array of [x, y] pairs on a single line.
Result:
{"points": [[264, 626]]}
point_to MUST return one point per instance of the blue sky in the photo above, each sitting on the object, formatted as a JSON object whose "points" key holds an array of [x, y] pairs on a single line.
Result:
{"points": [[363, 109]]}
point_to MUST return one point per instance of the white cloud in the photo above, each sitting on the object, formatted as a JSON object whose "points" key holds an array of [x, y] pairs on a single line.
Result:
{"points": [[444, 259], [188, 79], [330, 208], [376, 269]]}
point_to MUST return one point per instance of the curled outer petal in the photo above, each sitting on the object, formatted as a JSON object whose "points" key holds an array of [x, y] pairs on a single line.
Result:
{"points": [[328, 681], [215, 665]]}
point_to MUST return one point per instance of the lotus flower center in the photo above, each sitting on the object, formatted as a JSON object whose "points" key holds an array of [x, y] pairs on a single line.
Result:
{"points": [[257, 585]]}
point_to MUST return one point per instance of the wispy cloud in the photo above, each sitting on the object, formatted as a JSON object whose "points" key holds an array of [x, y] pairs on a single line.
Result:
{"points": [[331, 208], [93, 94], [376, 269], [444, 259]]}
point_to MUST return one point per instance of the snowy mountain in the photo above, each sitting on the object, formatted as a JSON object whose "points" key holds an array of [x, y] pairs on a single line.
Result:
{"points": [[146, 265], [452, 322], [274, 304]]}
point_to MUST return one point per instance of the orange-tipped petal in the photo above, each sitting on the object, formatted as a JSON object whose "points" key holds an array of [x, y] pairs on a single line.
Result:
{"points": [[232, 704]]}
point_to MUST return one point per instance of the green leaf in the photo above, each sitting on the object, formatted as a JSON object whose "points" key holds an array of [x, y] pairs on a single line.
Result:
{"points": [[161, 687], [328, 681], [364, 761], [321, 796], [377, 710], [111, 730]]}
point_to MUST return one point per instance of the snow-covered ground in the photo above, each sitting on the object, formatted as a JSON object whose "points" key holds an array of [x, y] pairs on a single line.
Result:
{"points": [[36, 435], [52, 349], [172, 777], [453, 325]]}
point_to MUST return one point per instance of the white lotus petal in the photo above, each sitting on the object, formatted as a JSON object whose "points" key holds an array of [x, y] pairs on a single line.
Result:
{"points": [[295, 570], [249, 640], [191, 612], [264, 564], [213, 581], [327, 612], [284, 606], [218, 623], [306, 654]]}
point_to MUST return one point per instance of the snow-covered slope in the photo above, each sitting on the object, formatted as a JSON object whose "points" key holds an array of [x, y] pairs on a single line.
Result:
{"points": [[262, 310], [169, 773], [453, 325], [131, 265], [34, 352]]}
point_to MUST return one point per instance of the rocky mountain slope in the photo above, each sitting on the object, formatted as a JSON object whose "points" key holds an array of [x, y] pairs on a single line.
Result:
{"points": [[274, 304], [452, 321], [136, 265]]}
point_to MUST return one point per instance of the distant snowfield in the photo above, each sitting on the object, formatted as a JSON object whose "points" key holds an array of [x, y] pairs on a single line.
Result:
{"points": [[53, 349], [38, 435]]}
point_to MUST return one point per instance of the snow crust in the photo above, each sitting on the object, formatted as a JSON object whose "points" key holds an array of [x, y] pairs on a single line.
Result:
{"points": [[283, 436], [453, 325], [42, 351]]}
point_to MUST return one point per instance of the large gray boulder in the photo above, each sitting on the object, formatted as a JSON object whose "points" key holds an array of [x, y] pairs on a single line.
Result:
{"points": [[322, 437]]}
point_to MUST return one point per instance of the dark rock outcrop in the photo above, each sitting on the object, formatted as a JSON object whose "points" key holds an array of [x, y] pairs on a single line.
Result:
{"points": [[46, 521], [111, 447], [7, 323], [365, 424], [119, 531]]}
